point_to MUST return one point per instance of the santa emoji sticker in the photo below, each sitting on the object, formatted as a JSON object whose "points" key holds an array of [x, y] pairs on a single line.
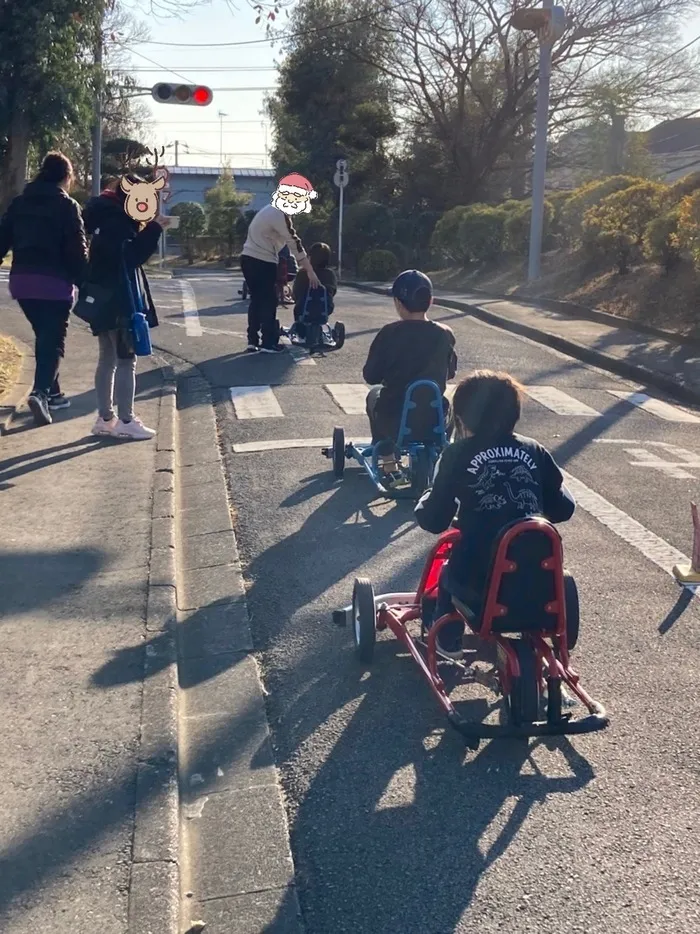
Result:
{"points": [[294, 194]]}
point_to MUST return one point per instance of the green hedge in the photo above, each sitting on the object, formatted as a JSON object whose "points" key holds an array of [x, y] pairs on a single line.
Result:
{"points": [[378, 266], [481, 232]]}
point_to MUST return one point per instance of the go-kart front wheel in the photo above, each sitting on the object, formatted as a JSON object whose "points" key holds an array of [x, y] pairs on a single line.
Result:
{"points": [[338, 334], [364, 619], [338, 453], [572, 610], [523, 699]]}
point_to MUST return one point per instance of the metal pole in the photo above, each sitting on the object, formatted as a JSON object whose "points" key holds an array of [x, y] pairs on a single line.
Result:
{"points": [[177, 143], [539, 167], [97, 127], [340, 235]]}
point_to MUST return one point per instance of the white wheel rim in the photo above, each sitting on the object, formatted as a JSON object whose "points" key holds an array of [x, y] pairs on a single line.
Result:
{"points": [[356, 615]]}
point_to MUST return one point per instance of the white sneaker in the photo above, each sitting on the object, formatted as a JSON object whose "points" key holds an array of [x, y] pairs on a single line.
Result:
{"points": [[101, 427], [135, 430]]}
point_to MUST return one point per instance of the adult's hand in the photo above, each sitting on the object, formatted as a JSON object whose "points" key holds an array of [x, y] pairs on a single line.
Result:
{"points": [[313, 280]]}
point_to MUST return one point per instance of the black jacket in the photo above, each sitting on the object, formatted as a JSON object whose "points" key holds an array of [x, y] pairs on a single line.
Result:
{"points": [[488, 484], [117, 240], [45, 232]]}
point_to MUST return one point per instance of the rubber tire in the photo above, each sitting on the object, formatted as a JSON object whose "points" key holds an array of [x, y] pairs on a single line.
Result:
{"points": [[572, 610], [364, 619], [420, 472], [524, 701], [338, 334], [314, 338], [338, 453]]}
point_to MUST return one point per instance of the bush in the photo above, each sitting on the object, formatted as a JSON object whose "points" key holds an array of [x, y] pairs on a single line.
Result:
{"points": [[517, 226], [378, 266], [444, 242], [683, 187], [586, 197], [558, 200], [480, 233], [661, 240], [192, 223], [689, 226], [616, 226]]}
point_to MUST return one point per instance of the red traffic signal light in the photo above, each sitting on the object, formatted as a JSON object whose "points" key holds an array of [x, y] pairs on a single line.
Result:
{"points": [[194, 95]]}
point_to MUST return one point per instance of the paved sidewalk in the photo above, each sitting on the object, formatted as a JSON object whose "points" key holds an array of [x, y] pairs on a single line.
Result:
{"points": [[75, 551], [669, 365]]}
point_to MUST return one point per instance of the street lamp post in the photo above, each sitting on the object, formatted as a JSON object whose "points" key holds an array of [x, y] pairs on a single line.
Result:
{"points": [[549, 22], [221, 135]]}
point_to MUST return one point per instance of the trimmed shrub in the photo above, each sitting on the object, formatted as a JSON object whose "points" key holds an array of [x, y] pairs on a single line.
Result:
{"points": [[378, 266], [689, 226], [558, 200], [586, 197], [517, 226], [480, 233], [683, 187], [661, 240], [444, 242], [615, 228], [192, 223]]}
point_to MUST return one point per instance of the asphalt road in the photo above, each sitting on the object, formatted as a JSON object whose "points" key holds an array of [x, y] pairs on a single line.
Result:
{"points": [[396, 828]]}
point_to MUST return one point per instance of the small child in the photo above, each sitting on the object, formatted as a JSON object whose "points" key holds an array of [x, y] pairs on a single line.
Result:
{"points": [[404, 351], [320, 257], [489, 477]]}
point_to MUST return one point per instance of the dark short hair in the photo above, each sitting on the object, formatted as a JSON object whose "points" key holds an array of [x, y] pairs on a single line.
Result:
{"points": [[488, 403], [55, 168], [319, 255]]}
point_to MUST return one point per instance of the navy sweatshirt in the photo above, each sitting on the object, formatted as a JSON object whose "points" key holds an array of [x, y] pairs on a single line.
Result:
{"points": [[488, 484]]}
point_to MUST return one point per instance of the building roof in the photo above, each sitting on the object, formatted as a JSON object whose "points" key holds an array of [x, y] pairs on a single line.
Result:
{"points": [[674, 136], [213, 170]]}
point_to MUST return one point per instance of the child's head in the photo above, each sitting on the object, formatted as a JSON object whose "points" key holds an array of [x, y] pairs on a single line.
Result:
{"points": [[412, 292], [320, 255], [487, 403]]}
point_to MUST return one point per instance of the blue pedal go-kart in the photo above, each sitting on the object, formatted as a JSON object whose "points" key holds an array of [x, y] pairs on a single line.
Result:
{"points": [[419, 443], [317, 333]]}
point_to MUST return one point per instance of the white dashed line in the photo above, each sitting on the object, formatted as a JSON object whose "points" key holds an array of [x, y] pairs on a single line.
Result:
{"points": [[254, 447], [350, 397], [670, 413], [189, 309], [561, 403], [255, 402]]}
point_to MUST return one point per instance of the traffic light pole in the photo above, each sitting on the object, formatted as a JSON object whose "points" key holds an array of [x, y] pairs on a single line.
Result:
{"points": [[97, 127]]}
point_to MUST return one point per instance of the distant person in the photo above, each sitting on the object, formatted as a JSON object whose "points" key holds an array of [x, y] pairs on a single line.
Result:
{"points": [[320, 257], [44, 229], [269, 231], [119, 248], [404, 351]]}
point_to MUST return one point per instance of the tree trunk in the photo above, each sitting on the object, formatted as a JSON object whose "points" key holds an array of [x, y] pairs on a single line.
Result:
{"points": [[13, 166], [616, 145]]}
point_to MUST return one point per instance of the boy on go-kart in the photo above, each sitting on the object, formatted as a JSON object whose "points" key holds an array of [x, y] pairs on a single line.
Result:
{"points": [[410, 349], [490, 477], [319, 257]]}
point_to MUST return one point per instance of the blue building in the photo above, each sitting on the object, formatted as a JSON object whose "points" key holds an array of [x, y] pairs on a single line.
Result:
{"points": [[191, 183]]}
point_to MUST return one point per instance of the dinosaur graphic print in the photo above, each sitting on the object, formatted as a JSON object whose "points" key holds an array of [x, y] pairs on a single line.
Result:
{"points": [[491, 501], [524, 499], [506, 479], [521, 474], [487, 480]]}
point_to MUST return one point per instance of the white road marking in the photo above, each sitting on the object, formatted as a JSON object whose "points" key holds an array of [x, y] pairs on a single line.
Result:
{"points": [[189, 309], [206, 330], [254, 447], [670, 413], [350, 397], [559, 402], [299, 355], [255, 402], [675, 469], [653, 547]]}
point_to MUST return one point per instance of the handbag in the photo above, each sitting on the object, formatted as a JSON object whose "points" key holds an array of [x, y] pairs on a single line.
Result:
{"points": [[140, 331], [92, 301]]}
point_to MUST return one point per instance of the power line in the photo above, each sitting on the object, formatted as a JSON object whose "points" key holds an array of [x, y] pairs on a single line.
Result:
{"points": [[207, 68]]}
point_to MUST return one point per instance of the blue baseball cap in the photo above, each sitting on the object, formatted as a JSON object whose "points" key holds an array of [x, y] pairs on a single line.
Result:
{"points": [[413, 289]]}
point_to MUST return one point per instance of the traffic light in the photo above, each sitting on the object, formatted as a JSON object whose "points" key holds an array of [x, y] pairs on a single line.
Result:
{"points": [[194, 95]]}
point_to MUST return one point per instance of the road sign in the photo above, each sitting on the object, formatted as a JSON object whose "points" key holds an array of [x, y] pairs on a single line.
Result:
{"points": [[342, 165], [341, 179], [192, 95]]}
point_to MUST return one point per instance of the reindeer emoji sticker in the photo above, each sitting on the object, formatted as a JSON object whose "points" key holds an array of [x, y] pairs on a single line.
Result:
{"points": [[143, 198]]}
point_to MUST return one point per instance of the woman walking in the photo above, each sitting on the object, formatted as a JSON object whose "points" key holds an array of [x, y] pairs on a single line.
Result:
{"points": [[44, 229], [119, 248], [268, 233]]}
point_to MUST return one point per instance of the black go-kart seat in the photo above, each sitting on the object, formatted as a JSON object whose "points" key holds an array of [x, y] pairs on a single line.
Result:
{"points": [[423, 421]]}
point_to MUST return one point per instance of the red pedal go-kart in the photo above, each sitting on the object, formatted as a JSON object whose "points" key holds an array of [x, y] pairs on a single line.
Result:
{"points": [[530, 618]]}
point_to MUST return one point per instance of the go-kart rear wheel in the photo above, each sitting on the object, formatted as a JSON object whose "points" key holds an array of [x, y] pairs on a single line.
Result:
{"points": [[572, 610], [314, 337], [420, 471], [523, 702], [338, 333], [338, 453], [364, 619]]}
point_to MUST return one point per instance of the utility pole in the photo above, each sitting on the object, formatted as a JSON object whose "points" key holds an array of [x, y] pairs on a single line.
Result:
{"points": [[221, 136], [97, 127], [177, 143], [340, 180]]}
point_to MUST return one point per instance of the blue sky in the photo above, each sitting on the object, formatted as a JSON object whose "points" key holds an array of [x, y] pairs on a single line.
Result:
{"points": [[251, 66], [199, 129]]}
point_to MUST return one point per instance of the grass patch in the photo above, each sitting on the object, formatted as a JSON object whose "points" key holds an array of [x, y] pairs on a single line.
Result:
{"points": [[10, 362]]}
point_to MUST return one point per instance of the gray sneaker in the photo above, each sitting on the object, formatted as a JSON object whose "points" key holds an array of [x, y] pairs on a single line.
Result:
{"points": [[39, 406]]}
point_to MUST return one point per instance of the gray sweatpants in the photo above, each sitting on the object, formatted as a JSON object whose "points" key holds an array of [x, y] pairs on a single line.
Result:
{"points": [[114, 377]]}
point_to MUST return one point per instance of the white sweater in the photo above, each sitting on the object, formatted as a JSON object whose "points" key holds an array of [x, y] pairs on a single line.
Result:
{"points": [[269, 231]]}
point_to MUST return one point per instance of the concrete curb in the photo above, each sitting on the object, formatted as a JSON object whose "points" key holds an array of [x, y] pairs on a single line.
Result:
{"points": [[154, 892], [17, 396], [686, 392]]}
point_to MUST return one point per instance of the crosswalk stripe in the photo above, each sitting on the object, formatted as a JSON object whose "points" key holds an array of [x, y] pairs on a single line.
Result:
{"points": [[561, 403], [350, 397], [193, 328], [255, 402], [286, 444], [299, 355], [669, 413]]}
